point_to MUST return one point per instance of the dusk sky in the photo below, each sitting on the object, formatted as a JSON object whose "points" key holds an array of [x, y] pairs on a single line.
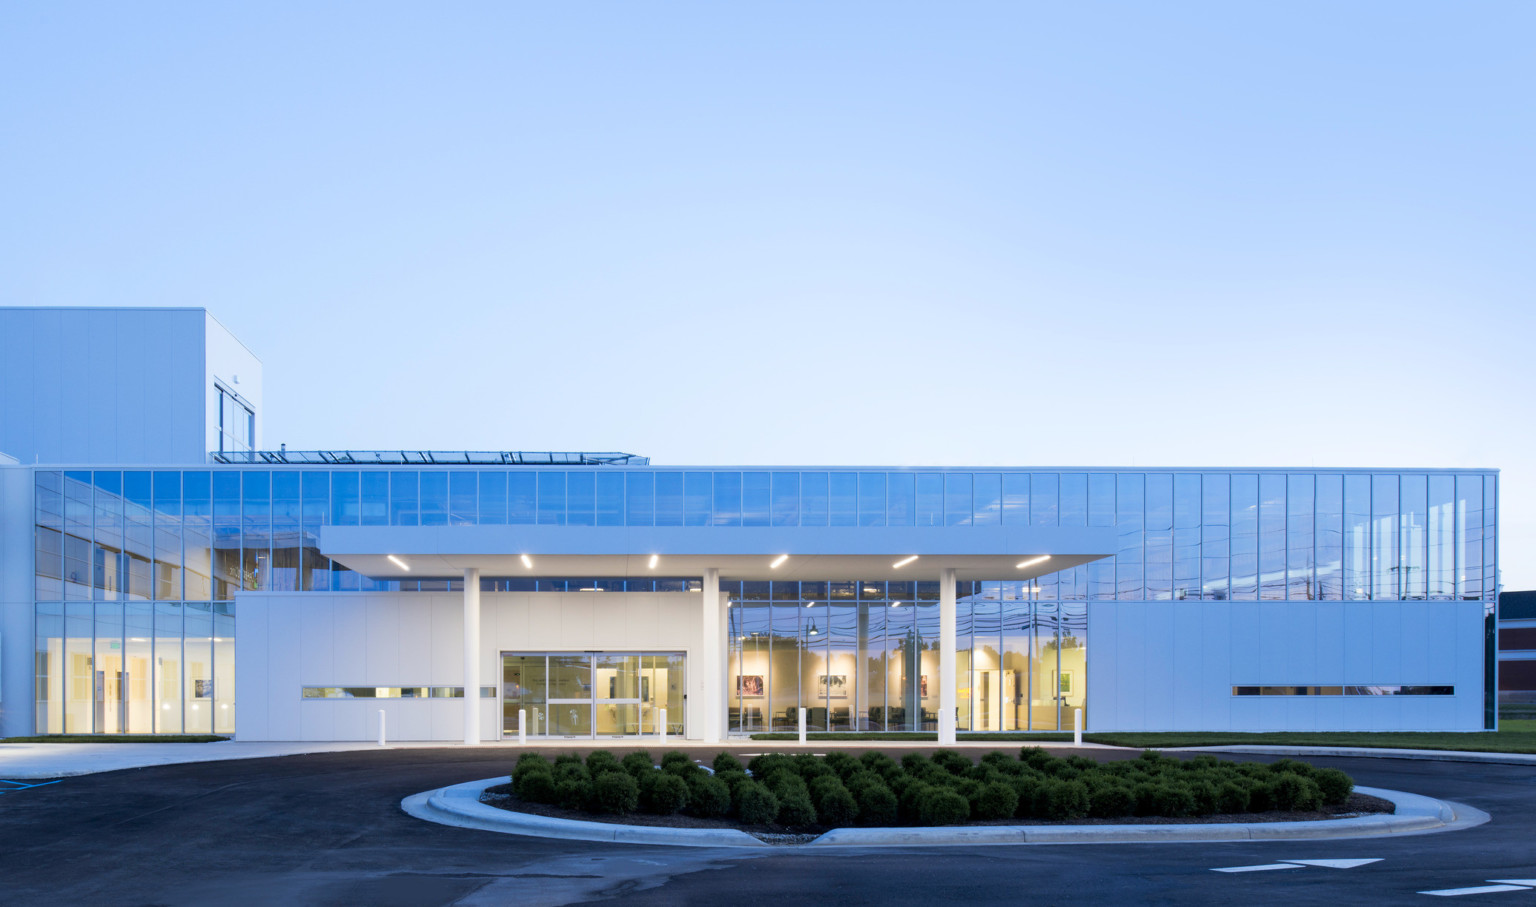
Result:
{"points": [[1119, 234]]}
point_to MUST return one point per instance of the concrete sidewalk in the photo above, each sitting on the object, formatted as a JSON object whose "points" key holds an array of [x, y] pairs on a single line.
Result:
{"points": [[1368, 752], [33, 761]]}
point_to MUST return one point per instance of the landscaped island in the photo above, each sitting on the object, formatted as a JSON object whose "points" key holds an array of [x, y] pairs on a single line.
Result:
{"points": [[837, 790]]}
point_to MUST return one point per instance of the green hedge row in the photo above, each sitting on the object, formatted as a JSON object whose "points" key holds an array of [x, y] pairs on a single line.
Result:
{"points": [[948, 789]]}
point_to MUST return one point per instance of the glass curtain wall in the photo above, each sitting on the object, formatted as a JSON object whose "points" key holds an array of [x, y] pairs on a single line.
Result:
{"points": [[857, 655], [865, 656]]}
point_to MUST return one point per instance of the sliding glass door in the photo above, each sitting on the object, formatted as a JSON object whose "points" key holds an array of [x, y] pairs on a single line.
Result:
{"points": [[592, 694]]}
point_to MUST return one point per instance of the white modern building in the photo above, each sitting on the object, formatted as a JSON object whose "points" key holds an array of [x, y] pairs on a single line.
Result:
{"points": [[161, 573]]}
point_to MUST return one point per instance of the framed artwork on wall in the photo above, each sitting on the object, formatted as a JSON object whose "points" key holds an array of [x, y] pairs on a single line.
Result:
{"points": [[833, 686], [749, 686]]}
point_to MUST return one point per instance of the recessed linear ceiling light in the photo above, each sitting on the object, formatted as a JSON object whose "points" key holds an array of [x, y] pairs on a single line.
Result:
{"points": [[810, 604], [1033, 561], [778, 560], [399, 563], [527, 561], [904, 561], [655, 559]]}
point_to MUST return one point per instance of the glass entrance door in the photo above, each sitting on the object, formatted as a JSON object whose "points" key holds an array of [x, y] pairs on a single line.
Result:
{"points": [[592, 694]]}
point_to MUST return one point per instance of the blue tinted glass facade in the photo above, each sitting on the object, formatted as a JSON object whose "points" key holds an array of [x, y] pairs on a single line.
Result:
{"points": [[203, 535]]}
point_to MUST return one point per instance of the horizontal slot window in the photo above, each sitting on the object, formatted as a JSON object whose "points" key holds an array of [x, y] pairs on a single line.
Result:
{"points": [[1368, 690], [392, 692]]}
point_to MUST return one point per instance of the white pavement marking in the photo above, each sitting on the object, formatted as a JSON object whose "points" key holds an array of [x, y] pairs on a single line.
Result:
{"points": [[1478, 889], [1297, 864], [1335, 864]]}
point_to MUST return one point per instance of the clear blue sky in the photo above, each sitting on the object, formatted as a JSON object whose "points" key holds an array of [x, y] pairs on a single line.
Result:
{"points": [[886, 233]]}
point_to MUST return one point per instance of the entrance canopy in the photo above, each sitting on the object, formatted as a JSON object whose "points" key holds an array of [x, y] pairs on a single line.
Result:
{"points": [[798, 553]]}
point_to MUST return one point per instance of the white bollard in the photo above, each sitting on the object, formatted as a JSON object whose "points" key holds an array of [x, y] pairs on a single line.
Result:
{"points": [[522, 727], [1077, 727], [802, 725], [661, 726], [381, 727]]}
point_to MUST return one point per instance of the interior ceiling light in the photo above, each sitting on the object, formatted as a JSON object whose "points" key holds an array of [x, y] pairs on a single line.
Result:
{"points": [[655, 559], [1033, 561], [778, 560], [527, 561], [399, 563], [904, 561]]}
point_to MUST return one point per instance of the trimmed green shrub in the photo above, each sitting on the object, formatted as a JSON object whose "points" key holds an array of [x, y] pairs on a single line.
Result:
{"points": [[1028, 788], [1261, 795], [1231, 797], [796, 808], [842, 764], [909, 802], [1110, 800], [708, 796], [997, 800], [1282, 766], [616, 792], [1206, 797], [1294, 792], [758, 805], [573, 792], [834, 804], [599, 761], [1064, 800], [784, 782], [877, 805], [732, 779], [951, 761], [662, 793], [1334, 784], [1173, 800], [638, 763], [537, 787], [942, 806], [529, 762], [1035, 757], [874, 789]]}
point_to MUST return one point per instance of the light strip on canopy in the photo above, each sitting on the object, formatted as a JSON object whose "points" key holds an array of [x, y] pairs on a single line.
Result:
{"points": [[399, 563], [527, 561], [655, 559], [778, 560], [904, 561], [1033, 561]]}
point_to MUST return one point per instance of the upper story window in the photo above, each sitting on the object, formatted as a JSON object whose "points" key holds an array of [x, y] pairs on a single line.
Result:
{"points": [[237, 424]]}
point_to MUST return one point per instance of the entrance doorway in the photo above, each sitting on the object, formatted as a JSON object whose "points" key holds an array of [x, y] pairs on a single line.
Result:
{"points": [[592, 694]]}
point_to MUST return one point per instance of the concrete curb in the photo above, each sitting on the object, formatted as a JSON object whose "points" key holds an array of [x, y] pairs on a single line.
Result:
{"points": [[460, 806], [1369, 752]]}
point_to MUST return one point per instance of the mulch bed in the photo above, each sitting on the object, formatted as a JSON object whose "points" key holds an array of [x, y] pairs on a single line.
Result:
{"points": [[501, 796]]}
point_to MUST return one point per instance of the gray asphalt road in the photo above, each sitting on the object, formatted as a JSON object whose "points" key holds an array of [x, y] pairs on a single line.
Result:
{"points": [[327, 830]]}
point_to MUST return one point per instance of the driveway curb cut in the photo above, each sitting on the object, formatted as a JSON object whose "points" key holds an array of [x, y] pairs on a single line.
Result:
{"points": [[459, 805]]}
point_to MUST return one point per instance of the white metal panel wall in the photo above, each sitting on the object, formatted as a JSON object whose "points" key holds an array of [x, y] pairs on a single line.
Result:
{"points": [[17, 702], [287, 641], [1171, 666], [102, 386]]}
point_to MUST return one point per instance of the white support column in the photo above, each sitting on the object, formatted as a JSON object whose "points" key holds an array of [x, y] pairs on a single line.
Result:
{"points": [[711, 670], [947, 680], [472, 655]]}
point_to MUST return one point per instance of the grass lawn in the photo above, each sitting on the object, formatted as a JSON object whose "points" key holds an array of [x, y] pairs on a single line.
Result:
{"points": [[116, 738], [1513, 736]]}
